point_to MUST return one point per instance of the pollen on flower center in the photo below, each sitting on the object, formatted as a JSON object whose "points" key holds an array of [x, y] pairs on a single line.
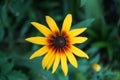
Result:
{"points": [[59, 42]]}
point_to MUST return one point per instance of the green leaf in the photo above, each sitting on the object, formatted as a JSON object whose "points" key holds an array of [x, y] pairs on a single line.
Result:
{"points": [[80, 76], [3, 58], [61, 76], [49, 5], [38, 78], [34, 64], [19, 9], [92, 33], [100, 44], [118, 24], [25, 28], [4, 14], [110, 52], [85, 23], [83, 65], [83, 2], [7, 67], [1, 33], [95, 59], [93, 8], [117, 75], [2, 78], [92, 50], [17, 75]]}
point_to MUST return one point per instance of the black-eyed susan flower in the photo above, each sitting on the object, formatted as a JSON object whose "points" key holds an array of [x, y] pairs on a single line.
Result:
{"points": [[58, 45], [96, 67]]}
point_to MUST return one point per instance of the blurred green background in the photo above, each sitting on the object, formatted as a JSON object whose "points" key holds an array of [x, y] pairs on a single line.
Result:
{"points": [[102, 17]]}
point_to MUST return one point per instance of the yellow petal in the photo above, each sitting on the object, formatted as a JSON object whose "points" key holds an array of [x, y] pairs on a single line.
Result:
{"points": [[75, 40], [43, 29], [78, 52], [72, 59], [64, 64], [96, 67], [76, 32], [50, 62], [47, 58], [56, 62], [52, 24], [67, 23], [37, 40], [39, 52]]}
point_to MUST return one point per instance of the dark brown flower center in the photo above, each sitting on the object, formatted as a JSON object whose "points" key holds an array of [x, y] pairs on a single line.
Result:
{"points": [[59, 42]]}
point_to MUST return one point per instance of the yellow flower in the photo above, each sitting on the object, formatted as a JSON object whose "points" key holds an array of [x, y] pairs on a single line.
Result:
{"points": [[96, 67], [58, 45]]}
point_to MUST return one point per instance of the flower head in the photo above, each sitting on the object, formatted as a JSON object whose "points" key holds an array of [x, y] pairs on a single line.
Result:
{"points": [[58, 45], [96, 67]]}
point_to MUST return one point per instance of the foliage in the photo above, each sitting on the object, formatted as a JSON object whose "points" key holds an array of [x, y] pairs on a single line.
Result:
{"points": [[103, 45]]}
